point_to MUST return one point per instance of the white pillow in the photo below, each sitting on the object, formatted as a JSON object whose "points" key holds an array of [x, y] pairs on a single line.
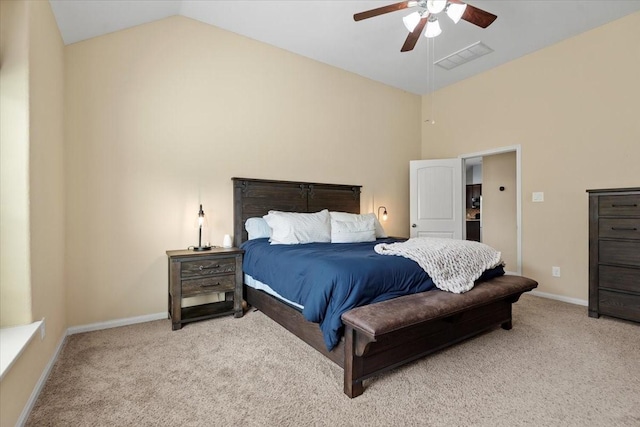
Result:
{"points": [[353, 231], [344, 216], [257, 228], [290, 228]]}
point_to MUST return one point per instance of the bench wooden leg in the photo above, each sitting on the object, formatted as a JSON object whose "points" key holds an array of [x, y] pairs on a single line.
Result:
{"points": [[353, 386], [508, 324]]}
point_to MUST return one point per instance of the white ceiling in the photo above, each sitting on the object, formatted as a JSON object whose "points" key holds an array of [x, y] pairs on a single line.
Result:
{"points": [[324, 30]]}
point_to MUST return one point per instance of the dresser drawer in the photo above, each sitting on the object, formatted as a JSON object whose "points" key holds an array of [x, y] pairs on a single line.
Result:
{"points": [[619, 278], [621, 228], [207, 267], [620, 252], [619, 205], [617, 304], [208, 285]]}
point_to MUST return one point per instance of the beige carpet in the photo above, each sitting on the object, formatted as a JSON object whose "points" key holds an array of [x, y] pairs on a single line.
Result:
{"points": [[556, 367]]}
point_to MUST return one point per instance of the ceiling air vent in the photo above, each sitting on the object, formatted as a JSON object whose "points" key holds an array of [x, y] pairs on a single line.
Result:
{"points": [[463, 56]]}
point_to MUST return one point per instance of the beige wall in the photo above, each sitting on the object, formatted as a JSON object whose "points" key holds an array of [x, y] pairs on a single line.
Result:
{"points": [[499, 225], [161, 116], [573, 108], [46, 172], [42, 70], [15, 293]]}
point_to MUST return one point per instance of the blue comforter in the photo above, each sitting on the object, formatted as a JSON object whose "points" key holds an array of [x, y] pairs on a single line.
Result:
{"points": [[330, 279]]}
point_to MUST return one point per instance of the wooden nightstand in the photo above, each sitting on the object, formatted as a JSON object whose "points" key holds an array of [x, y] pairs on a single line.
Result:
{"points": [[192, 274]]}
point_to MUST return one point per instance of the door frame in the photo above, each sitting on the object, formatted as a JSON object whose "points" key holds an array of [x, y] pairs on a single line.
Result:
{"points": [[501, 150]]}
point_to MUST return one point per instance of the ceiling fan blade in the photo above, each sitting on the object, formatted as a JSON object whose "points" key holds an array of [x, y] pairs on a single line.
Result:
{"points": [[382, 10], [413, 36], [477, 16]]}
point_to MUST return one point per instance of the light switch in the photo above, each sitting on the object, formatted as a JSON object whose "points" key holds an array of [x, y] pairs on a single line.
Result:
{"points": [[537, 196]]}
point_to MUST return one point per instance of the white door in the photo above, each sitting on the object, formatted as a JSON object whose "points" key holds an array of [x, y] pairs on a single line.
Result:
{"points": [[435, 190]]}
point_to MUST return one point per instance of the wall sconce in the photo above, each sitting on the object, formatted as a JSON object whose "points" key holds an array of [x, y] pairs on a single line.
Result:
{"points": [[384, 213], [202, 222]]}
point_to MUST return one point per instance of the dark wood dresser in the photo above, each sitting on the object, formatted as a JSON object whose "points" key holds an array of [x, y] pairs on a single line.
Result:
{"points": [[614, 253]]}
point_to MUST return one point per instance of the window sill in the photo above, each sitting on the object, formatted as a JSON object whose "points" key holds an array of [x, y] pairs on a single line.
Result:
{"points": [[13, 341]]}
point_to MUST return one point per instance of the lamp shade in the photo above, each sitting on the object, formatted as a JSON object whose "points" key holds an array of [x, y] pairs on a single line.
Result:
{"points": [[436, 6], [411, 21], [384, 213], [433, 29], [455, 11], [201, 222], [201, 219]]}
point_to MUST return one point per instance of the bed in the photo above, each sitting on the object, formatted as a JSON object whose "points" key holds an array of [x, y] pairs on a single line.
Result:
{"points": [[382, 335]]}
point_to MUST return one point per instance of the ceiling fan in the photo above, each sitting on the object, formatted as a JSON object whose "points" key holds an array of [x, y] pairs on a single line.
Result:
{"points": [[428, 16]]}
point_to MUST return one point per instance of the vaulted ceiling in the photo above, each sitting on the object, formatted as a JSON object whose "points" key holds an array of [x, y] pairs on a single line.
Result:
{"points": [[325, 30]]}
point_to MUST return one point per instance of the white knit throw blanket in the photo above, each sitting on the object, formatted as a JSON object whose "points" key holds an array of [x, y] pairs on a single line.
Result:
{"points": [[454, 265]]}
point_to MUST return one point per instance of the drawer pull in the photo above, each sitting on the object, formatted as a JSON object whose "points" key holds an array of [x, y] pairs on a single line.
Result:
{"points": [[613, 205], [624, 228], [202, 267], [205, 285]]}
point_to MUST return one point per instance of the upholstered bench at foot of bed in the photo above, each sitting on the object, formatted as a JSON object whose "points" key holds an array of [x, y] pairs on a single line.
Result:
{"points": [[385, 335]]}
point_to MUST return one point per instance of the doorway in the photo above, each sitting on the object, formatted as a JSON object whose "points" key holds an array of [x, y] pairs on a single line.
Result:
{"points": [[473, 218], [500, 204]]}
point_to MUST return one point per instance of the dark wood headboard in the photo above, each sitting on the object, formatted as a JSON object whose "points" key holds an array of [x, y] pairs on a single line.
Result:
{"points": [[256, 197]]}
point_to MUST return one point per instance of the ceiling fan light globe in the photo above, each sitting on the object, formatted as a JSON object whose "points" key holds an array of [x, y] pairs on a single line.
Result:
{"points": [[455, 11], [436, 6], [433, 29], [411, 21]]}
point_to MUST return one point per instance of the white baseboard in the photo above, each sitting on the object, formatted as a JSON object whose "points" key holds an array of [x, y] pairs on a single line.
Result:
{"points": [[116, 323], [576, 301], [40, 384]]}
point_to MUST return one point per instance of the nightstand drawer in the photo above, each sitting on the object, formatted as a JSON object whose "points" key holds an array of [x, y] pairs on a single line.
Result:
{"points": [[207, 267], [208, 285]]}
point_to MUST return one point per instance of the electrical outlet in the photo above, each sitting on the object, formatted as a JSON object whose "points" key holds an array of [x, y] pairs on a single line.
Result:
{"points": [[555, 271], [43, 332]]}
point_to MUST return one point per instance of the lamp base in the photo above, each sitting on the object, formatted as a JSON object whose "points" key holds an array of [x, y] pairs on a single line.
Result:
{"points": [[201, 248]]}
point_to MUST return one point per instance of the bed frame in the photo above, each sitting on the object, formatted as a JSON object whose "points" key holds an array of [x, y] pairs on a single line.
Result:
{"points": [[384, 335]]}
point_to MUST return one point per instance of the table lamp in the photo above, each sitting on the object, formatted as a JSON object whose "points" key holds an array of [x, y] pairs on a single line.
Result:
{"points": [[202, 222]]}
